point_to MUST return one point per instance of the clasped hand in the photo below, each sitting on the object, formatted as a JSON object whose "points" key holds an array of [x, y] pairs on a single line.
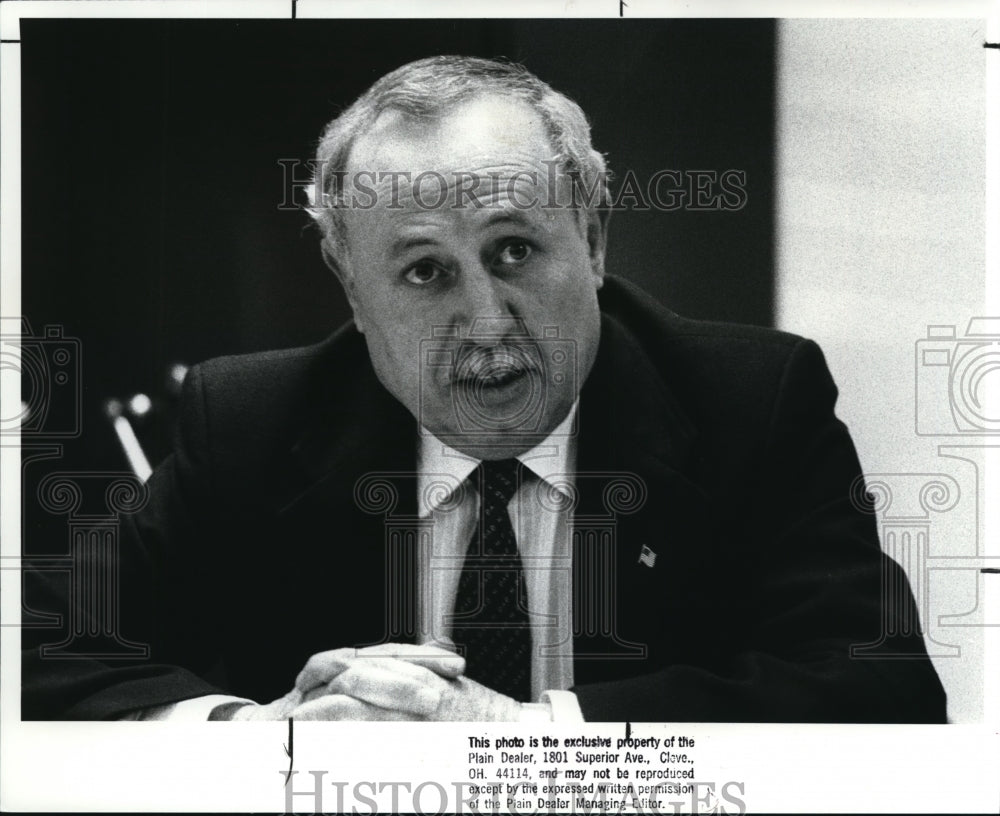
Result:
{"points": [[391, 681]]}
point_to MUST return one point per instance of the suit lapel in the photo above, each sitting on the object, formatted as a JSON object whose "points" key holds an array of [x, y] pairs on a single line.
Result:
{"points": [[354, 485], [636, 489], [353, 426]]}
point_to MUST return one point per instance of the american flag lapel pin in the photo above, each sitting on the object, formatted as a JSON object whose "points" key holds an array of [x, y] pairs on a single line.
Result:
{"points": [[647, 556]]}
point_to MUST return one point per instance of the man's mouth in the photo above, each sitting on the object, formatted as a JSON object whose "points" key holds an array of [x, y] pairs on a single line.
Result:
{"points": [[493, 368]]}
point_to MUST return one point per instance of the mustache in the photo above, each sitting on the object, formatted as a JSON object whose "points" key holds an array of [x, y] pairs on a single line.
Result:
{"points": [[488, 365]]}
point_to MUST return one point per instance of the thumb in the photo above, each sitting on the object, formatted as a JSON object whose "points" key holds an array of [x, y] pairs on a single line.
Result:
{"points": [[440, 657]]}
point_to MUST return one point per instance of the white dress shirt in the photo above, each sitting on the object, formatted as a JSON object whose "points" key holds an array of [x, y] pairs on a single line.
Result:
{"points": [[540, 513]]}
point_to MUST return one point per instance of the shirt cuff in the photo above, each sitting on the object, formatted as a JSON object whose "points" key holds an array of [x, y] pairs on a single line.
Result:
{"points": [[565, 706], [194, 710]]}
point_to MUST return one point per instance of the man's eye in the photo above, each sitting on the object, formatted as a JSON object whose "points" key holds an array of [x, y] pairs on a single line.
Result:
{"points": [[422, 273], [514, 253]]}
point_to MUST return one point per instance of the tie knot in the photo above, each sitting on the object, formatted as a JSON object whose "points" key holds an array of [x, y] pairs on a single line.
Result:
{"points": [[500, 479]]}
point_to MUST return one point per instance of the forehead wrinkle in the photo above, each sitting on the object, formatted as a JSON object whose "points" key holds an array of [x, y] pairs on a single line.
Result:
{"points": [[516, 192], [411, 225]]}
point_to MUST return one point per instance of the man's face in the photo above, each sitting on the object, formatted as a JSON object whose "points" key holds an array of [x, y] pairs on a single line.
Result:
{"points": [[478, 303]]}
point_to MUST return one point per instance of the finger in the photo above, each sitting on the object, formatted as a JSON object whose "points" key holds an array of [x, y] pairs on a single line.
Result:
{"points": [[449, 667], [282, 707], [314, 694], [399, 666], [444, 662], [469, 701], [387, 686], [358, 663], [342, 707], [323, 667]]}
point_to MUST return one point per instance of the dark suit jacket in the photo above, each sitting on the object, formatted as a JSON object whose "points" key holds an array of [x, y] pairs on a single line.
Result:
{"points": [[262, 543]]}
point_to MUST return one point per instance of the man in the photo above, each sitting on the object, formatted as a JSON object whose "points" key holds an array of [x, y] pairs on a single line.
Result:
{"points": [[512, 488]]}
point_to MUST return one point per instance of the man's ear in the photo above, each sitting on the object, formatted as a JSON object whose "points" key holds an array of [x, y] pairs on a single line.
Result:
{"points": [[338, 264], [597, 240]]}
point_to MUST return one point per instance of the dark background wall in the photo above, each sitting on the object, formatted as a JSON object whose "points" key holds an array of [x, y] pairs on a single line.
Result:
{"points": [[151, 183]]}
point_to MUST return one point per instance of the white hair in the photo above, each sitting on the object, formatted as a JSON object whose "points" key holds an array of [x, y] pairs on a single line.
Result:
{"points": [[428, 88]]}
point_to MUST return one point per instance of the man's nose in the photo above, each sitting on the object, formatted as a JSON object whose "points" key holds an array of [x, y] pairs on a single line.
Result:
{"points": [[485, 309]]}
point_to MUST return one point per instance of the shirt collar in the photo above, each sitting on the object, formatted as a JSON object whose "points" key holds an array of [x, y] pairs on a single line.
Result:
{"points": [[442, 468]]}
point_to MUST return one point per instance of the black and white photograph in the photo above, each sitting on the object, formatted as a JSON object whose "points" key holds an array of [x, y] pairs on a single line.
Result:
{"points": [[589, 411]]}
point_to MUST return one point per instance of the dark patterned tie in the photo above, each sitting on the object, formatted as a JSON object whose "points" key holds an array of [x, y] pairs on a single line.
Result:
{"points": [[491, 617]]}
